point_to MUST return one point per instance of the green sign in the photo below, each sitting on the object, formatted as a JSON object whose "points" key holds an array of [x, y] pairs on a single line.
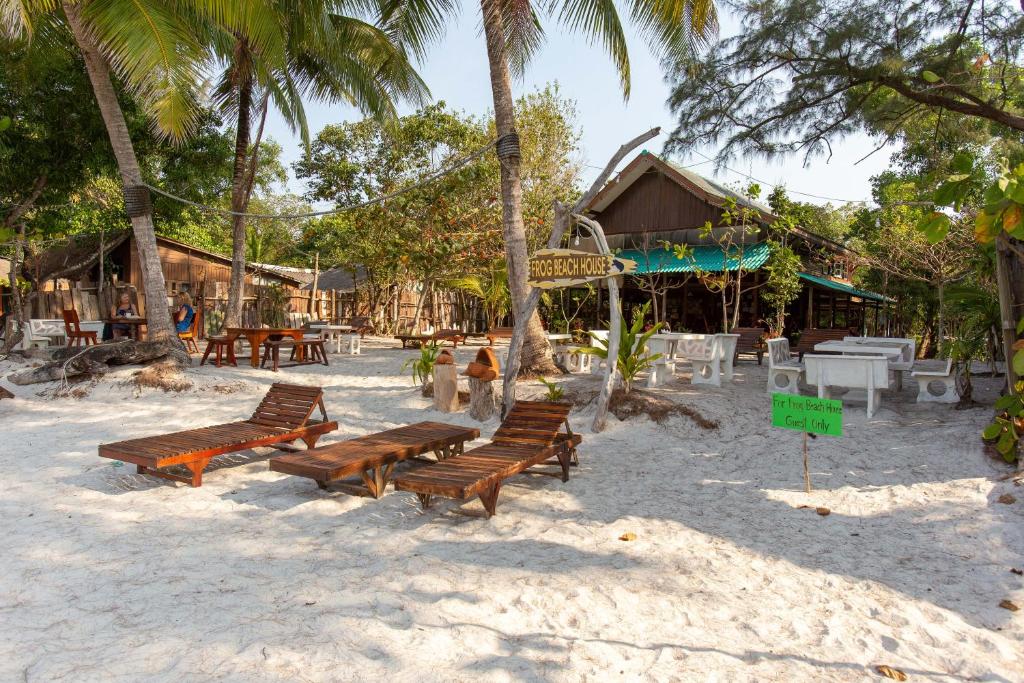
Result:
{"points": [[807, 414]]}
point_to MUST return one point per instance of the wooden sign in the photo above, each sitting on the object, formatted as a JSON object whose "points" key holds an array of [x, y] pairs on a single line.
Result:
{"points": [[553, 268]]}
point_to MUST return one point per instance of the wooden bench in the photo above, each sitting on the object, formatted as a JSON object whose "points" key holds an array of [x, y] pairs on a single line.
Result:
{"points": [[373, 456], [529, 436], [439, 337], [750, 342], [811, 336], [498, 333], [282, 417]]}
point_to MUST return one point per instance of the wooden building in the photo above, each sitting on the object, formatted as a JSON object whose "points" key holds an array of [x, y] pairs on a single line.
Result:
{"points": [[653, 202]]}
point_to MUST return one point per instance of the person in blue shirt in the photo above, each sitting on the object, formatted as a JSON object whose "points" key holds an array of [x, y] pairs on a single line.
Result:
{"points": [[185, 313]]}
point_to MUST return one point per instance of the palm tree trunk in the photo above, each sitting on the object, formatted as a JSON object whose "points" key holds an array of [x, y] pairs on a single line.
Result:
{"points": [[158, 317], [536, 354], [239, 201]]}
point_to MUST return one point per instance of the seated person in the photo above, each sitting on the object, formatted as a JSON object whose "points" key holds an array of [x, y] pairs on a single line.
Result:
{"points": [[185, 314], [123, 309]]}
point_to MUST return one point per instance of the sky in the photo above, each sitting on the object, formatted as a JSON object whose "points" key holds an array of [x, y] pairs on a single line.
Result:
{"points": [[456, 72]]}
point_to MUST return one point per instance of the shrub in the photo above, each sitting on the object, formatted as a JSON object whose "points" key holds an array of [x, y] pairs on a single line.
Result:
{"points": [[633, 358]]}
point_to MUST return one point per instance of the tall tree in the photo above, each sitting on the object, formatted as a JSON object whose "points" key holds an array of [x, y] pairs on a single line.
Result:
{"points": [[513, 32], [802, 73], [155, 51], [326, 55]]}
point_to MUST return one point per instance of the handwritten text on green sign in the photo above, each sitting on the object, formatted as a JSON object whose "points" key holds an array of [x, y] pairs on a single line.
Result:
{"points": [[807, 414]]}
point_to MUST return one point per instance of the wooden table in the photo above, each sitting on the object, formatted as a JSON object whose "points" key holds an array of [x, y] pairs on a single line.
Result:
{"points": [[136, 323], [257, 335], [373, 457]]}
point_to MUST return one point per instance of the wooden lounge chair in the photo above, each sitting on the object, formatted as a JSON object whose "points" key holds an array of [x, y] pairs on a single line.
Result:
{"points": [[454, 336], [373, 456], [282, 417], [529, 436]]}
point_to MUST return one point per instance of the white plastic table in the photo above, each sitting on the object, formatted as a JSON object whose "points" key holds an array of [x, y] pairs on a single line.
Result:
{"points": [[333, 332]]}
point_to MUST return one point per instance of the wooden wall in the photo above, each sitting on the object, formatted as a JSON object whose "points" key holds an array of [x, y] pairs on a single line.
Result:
{"points": [[656, 204]]}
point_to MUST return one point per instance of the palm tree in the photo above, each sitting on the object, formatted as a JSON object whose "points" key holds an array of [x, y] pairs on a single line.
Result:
{"points": [[154, 50], [513, 32], [327, 56]]}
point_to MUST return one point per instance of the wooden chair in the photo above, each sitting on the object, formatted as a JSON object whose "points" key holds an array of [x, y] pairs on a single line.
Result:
{"points": [[529, 436], [751, 342], [74, 332], [189, 337], [282, 417], [219, 345]]}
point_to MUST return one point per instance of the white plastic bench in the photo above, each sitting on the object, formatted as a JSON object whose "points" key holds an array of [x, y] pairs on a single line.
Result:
{"points": [[727, 349], [664, 368], [783, 372], [870, 373], [939, 378]]}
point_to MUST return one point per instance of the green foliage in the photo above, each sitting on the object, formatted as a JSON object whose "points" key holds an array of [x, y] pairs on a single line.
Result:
{"points": [[554, 392], [491, 288], [423, 366], [274, 308], [783, 284], [776, 87], [633, 358]]}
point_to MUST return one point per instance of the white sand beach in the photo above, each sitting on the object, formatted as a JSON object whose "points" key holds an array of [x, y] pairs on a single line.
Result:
{"points": [[106, 575]]}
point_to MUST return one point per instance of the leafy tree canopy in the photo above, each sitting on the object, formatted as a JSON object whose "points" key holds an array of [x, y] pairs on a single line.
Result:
{"points": [[801, 73]]}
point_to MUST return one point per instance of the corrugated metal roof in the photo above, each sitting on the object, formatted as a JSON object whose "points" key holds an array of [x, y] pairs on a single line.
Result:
{"points": [[846, 289], [705, 257]]}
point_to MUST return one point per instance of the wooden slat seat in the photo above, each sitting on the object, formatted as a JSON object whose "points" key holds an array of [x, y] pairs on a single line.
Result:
{"points": [[374, 456], [498, 333], [282, 417], [751, 341], [811, 336], [529, 436]]}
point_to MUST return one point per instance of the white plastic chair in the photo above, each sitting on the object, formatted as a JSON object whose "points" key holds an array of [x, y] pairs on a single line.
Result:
{"points": [[783, 372]]}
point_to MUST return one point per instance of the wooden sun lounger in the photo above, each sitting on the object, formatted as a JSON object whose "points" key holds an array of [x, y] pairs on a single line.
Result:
{"points": [[282, 417], [454, 336], [529, 436], [373, 456], [498, 333]]}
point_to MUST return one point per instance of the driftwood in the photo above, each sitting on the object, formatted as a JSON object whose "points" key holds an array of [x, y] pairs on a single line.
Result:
{"points": [[482, 404], [92, 360], [563, 215], [5, 394], [446, 388]]}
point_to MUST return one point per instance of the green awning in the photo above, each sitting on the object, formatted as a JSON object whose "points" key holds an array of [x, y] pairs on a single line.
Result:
{"points": [[704, 257], [845, 289]]}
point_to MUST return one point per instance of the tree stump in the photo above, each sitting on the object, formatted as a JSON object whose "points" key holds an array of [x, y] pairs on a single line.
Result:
{"points": [[482, 405], [446, 388]]}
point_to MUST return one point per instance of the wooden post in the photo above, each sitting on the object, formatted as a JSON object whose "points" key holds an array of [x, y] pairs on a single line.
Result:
{"points": [[446, 388], [807, 471], [313, 309], [1006, 317], [614, 331], [482, 404]]}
